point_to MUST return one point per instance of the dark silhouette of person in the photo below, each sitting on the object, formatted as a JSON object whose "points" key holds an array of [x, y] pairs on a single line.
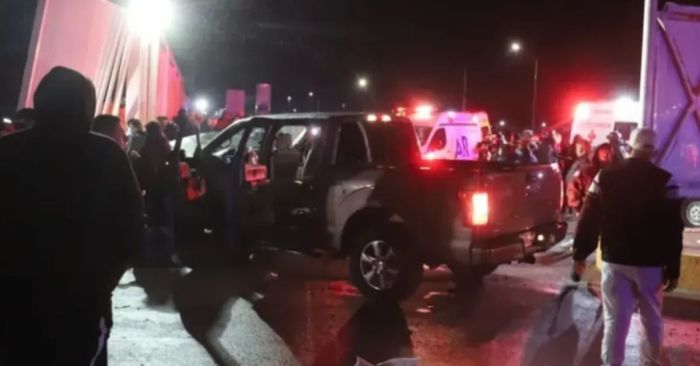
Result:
{"points": [[110, 126], [70, 228], [23, 119], [151, 172], [158, 175], [137, 135], [182, 121]]}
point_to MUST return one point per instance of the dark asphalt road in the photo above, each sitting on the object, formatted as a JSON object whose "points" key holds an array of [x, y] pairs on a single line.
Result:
{"points": [[310, 316]]}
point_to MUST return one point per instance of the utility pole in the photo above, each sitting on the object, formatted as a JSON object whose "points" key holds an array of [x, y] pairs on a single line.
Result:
{"points": [[534, 94], [465, 79], [651, 9]]}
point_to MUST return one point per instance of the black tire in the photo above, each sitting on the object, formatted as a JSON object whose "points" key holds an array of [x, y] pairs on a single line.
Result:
{"points": [[691, 213], [469, 276], [408, 269]]}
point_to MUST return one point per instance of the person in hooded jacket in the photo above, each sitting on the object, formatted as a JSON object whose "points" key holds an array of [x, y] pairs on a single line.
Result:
{"points": [[578, 186], [70, 228]]}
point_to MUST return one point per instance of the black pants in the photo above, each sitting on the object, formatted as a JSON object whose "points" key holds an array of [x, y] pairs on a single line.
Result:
{"points": [[82, 343]]}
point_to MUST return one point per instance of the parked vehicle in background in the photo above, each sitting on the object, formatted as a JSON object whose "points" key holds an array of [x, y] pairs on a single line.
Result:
{"points": [[671, 98], [594, 121], [452, 135], [355, 186]]}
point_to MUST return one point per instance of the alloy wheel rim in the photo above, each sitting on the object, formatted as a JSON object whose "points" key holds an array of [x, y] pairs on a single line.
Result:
{"points": [[378, 265]]}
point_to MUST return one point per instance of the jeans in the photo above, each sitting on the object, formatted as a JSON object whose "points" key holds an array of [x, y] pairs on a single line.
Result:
{"points": [[624, 288]]}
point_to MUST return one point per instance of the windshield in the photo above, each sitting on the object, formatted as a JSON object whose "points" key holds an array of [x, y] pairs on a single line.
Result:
{"points": [[423, 132], [393, 143]]}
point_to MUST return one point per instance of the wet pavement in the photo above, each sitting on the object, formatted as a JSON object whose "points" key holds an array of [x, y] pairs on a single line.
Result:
{"points": [[522, 315]]}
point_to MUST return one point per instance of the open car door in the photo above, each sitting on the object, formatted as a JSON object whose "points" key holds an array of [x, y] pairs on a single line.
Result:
{"points": [[220, 182], [209, 177]]}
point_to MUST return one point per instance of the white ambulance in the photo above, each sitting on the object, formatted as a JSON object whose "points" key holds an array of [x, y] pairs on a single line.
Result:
{"points": [[453, 135], [595, 120]]}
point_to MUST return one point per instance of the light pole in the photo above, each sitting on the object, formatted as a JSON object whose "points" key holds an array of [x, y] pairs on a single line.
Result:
{"points": [[517, 48], [311, 101], [289, 103], [465, 78], [367, 97]]}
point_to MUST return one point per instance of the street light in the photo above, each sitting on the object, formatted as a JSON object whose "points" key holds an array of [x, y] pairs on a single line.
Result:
{"points": [[362, 83], [289, 102], [201, 105], [516, 48], [149, 18], [502, 123], [311, 94]]}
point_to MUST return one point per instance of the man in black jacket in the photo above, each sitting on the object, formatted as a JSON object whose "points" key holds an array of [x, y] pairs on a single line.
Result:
{"points": [[71, 219], [633, 209]]}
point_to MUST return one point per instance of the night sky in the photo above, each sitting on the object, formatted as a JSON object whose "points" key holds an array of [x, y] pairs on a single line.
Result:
{"points": [[410, 50]]}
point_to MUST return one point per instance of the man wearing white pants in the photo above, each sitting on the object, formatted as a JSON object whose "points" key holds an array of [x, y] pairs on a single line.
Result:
{"points": [[632, 209]]}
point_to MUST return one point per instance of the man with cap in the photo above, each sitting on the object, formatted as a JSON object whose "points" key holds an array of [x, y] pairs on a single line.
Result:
{"points": [[633, 209], [70, 225]]}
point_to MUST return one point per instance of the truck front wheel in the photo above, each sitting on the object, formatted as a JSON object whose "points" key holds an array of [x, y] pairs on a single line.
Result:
{"points": [[382, 268]]}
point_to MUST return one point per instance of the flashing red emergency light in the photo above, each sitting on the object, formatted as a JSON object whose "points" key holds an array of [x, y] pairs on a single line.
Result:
{"points": [[423, 112]]}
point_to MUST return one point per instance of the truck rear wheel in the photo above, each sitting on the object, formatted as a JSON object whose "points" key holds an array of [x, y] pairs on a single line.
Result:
{"points": [[691, 213], [380, 267]]}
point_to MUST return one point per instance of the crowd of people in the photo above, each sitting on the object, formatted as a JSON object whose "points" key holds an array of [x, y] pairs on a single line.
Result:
{"points": [[521, 148], [578, 161]]}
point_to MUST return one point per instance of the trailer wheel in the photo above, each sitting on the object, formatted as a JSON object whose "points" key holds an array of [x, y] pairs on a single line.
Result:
{"points": [[381, 267], [691, 213]]}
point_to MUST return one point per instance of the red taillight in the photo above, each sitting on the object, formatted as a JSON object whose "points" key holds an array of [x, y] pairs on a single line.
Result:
{"points": [[480, 209], [476, 208]]}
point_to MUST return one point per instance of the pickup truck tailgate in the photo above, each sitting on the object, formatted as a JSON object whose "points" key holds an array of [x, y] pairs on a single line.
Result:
{"points": [[520, 197]]}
